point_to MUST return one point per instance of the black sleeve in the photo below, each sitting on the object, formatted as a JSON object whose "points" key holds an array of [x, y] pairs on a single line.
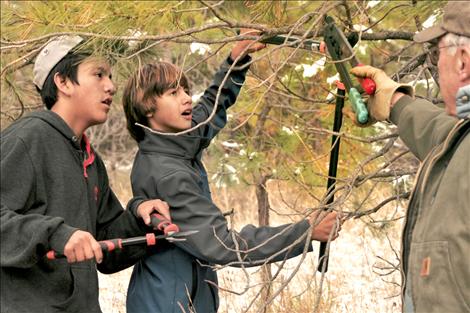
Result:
{"points": [[115, 222], [215, 242], [25, 236], [226, 84]]}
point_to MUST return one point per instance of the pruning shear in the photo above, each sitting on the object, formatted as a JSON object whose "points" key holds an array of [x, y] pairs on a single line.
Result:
{"points": [[163, 224], [171, 233], [341, 52]]}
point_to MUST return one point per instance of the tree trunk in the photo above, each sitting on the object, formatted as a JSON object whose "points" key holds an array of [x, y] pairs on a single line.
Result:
{"points": [[263, 220]]}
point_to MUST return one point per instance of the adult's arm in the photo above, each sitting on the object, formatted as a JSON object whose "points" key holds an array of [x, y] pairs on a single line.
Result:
{"points": [[421, 125]]}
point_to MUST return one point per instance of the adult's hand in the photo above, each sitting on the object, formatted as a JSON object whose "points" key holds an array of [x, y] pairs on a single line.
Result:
{"points": [[386, 89]]}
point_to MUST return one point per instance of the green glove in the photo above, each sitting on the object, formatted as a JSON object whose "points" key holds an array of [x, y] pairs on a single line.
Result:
{"points": [[379, 103]]}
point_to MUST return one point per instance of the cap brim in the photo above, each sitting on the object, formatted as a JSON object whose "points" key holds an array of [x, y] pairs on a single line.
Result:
{"points": [[429, 34]]}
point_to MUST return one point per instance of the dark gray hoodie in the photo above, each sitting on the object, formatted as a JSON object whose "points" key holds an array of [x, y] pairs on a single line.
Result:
{"points": [[50, 187]]}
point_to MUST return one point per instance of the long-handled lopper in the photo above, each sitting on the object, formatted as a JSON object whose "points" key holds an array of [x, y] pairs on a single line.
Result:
{"points": [[340, 50]]}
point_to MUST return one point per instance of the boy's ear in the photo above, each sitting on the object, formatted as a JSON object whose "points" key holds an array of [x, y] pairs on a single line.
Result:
{"points": [[63, 84]]}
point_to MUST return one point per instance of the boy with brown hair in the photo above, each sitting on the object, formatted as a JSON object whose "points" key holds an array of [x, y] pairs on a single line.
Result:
{"points": [[180, 276]]}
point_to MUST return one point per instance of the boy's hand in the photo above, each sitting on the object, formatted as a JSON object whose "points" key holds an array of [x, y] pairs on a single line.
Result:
{"points": [[246, 46], [324, 224], [148, 207], [82, 246]]}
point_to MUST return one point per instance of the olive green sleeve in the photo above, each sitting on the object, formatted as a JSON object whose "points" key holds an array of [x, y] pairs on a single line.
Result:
{"points": [[421, 124]]}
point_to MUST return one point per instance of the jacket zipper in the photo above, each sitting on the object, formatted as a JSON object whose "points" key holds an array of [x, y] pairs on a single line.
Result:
{"points": [[195, 281], [405, 230], [440, 153]]}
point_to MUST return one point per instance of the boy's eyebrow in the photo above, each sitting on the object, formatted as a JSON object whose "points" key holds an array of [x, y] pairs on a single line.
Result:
{"points": [[94, 65], [102, 68]]}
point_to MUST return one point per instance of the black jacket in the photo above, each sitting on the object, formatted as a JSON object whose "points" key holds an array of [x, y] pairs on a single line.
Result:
{"points": [[170, 168], [45, 197]]}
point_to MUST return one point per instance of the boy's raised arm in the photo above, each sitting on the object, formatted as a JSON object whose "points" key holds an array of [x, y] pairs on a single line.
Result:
{"points": [[226, 85]]}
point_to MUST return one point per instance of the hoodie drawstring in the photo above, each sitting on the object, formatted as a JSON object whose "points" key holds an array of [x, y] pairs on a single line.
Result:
{"points": [[90, 157]]}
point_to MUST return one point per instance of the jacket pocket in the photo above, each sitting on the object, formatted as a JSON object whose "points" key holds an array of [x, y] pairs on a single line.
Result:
{"points": [[73, 292], [433, 284], [83, 292]]}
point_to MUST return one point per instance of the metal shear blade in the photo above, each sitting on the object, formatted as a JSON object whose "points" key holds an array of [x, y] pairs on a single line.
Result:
{"points": [[179, 236]]}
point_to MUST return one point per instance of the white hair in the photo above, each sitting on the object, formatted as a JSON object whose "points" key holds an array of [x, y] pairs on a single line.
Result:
{"points": [[452, 41]]}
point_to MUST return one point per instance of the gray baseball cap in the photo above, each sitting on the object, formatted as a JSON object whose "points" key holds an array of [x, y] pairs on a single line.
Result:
{"points": [[50, 55], [456, 20]]}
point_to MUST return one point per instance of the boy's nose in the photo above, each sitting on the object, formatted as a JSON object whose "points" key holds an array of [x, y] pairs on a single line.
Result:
{"points": [[110, 88], [187, 98]]}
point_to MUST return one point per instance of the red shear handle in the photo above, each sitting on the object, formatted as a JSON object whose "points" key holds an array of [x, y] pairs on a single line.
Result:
{"points": [[367, 84], [52, 255], [111, 244], [115, 244], [151, 240], [106, 245], [163, 224]]}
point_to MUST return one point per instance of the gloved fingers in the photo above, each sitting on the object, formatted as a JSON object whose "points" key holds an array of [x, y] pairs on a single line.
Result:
{"points": [[365, 71]]}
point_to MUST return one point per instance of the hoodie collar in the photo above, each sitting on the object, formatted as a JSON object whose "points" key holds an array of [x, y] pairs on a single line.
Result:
{"points": [[185, 146], [59, 124]]}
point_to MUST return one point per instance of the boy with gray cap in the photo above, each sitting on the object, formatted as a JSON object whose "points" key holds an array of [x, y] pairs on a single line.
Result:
{"points": [[55, 193], [436, 236]]}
